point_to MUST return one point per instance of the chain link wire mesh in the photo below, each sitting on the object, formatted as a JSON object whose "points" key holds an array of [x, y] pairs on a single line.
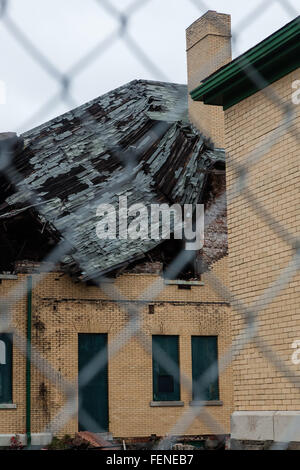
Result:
{"points": [[133, 328]]}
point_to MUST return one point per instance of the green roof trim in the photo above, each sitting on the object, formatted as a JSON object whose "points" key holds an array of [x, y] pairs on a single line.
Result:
{"points": [[257, 68]]}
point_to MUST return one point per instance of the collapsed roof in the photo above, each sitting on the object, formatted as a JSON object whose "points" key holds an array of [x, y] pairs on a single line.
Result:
{"points": [[135, 141]]}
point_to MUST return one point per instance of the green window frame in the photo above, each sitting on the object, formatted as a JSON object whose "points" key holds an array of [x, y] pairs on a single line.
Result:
{"points": [[5, 368], [166, 383], [205, 364]]}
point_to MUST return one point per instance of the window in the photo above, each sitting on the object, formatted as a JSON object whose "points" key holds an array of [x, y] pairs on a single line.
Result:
{"points": [[5, 368], [166, 383], [204, 361]]}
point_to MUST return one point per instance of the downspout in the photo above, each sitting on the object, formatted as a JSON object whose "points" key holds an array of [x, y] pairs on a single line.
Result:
{"points": [[28, 361]]}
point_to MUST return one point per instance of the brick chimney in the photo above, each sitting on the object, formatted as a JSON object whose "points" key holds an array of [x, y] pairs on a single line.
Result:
{"points": [[208, 48]]}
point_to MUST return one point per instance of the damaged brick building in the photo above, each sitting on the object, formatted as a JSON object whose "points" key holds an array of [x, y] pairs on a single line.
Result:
{"points": [[262, 122], [62, 170]]}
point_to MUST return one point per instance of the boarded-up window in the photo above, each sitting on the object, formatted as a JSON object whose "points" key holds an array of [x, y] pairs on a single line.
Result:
{"points": [[205, 368], [5, 368], [166, 382]]}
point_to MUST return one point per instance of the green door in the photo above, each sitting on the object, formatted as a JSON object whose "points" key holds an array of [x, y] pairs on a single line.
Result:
{"points": [[93, 396]]}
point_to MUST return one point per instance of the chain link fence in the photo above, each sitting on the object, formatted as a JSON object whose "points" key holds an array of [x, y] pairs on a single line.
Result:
{"points": [[133, 328]]}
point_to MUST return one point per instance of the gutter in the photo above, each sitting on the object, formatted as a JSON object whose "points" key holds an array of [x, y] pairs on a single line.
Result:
{"points": [[280, 50], [28, 361]]}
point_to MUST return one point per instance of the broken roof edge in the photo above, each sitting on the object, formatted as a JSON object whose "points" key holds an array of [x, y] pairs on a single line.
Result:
{"points": [[140, 91], [95, 100]]}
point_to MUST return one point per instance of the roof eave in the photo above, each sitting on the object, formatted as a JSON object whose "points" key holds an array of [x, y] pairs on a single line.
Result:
{"points": [[267, 62]]}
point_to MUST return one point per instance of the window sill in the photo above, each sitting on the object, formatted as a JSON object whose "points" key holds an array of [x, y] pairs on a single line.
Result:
{"points": [[8, 406], [8, 277], [206, 403], [178, 282], [166, 403]]}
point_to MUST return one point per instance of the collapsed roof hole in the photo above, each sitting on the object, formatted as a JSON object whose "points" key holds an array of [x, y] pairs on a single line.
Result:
{"points": [[215, 184], [23, 238], [162, 260], [6, 188]]}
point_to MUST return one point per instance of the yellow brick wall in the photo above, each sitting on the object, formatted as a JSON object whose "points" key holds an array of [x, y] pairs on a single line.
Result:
{"points": [[14, 419], [62, 309], [257, 255]]}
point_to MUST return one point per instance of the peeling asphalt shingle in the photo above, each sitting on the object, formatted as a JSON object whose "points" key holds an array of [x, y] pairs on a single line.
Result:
{"points": [[76, 160]]}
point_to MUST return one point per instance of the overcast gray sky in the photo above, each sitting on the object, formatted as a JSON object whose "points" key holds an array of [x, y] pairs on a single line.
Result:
{"points": [[66, 30]]}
